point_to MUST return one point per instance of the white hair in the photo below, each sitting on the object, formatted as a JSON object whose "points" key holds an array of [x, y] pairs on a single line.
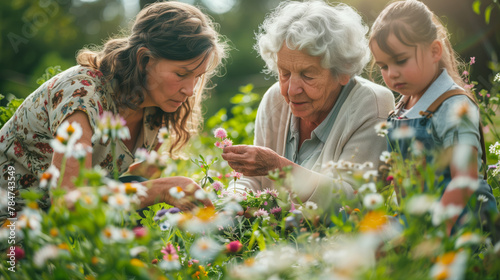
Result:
{"points": [[337, 34]]}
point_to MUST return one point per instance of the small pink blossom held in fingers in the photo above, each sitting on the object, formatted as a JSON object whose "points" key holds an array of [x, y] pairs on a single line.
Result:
{"points": [[234, 174], [227, 143], [220, 133], [224, 143]]}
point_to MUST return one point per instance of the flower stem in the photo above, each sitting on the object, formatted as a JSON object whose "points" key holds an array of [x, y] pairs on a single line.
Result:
{"points": [[63, 169]]}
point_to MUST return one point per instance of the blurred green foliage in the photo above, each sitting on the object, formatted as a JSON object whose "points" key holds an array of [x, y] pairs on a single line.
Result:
{"points": [[240, 123], [37, 34], [9, 110]]}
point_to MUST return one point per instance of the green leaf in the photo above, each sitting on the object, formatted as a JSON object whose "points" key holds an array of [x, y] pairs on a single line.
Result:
{"points": [[476, 5], [246, 89], [487, 14]]}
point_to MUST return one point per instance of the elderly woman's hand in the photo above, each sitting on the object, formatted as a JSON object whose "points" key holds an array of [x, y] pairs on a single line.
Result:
{"points": [[253, 160]]}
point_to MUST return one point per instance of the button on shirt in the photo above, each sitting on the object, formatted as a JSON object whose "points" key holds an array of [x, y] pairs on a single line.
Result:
{"points": [[311, 148]]}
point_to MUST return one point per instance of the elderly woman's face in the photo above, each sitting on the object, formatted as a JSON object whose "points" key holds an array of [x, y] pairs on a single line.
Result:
{"points": [[309, 89]]}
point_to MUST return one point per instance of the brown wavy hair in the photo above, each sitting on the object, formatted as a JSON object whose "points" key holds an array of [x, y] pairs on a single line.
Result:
{"points": [[413, 23], [168, 30]]}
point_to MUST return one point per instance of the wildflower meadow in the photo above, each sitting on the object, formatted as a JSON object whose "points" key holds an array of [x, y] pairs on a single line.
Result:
{"points": [[97, 231]]}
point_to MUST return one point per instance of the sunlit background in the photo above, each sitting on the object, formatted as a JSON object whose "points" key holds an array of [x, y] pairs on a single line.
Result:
{"points": [[36, 34]]}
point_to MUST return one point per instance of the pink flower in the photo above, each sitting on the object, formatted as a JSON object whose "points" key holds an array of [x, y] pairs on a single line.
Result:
{"points": [[465, 73], [234, 174], [472, 60], [169, 252], [217, 186], [140, 232], [275, 210], [260, 212], [227, 143], [234, 246], [220, 133]]}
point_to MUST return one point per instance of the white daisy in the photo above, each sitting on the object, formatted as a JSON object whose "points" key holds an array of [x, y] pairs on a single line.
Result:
{"points": [[373, 200], [176, 192], [403, 132], [385, 156], [382, 128], [420, 204], [205, 249]]}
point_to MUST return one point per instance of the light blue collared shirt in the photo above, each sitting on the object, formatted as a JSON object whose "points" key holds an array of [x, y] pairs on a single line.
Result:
{"points": [[311, 148], [446, 132], [441, 85]]}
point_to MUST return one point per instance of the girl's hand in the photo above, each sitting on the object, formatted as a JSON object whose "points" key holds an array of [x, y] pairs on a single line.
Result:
{"points": [[253, 160]]}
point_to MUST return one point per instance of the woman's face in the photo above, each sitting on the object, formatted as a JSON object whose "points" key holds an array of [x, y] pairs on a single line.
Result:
{"points": [[170, 82], [309, 89]]}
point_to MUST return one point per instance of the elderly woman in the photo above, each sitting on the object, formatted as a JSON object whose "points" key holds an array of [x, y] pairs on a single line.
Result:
{"points": [[319, 110]]}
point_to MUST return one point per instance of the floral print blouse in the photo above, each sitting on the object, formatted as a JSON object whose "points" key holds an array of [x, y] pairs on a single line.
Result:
{"points": [[24, 139]]}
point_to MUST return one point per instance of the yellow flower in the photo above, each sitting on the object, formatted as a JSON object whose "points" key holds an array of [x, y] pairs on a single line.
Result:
{"points": [[54, 232], [137, 262], [372, 221], [206, 214], [63, 246], [33, 205]]}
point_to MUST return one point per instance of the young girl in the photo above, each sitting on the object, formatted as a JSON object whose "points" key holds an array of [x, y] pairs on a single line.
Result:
{"points": [[416, 59]]}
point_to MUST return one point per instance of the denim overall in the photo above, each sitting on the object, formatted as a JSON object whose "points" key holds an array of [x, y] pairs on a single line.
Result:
{"points": [[424, 134]]}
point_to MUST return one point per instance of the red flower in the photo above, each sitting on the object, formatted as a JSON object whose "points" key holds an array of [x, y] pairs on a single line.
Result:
{"points": [[85, 83], [19, 253], [234, 246]]}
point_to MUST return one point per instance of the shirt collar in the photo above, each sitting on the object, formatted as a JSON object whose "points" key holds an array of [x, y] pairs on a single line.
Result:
{"points": [[441, 85]]}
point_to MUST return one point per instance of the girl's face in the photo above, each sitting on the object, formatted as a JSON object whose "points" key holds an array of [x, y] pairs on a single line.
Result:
{"points": [[410, 70], [170, 82], [309, 89]]}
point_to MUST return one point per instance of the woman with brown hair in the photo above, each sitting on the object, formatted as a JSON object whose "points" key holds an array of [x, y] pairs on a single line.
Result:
{"points": [[153, 78]]}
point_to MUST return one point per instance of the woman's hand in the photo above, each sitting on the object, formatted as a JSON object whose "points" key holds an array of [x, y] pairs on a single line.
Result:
{"points": [[253, 160], [159, 191], [144, 169]]}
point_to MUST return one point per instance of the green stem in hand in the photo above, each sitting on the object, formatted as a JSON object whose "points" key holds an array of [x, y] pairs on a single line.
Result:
{"points": [[114, 160]]}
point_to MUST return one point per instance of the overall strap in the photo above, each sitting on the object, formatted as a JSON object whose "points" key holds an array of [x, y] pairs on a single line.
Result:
{"points": [[435, 105], [401, 103]]}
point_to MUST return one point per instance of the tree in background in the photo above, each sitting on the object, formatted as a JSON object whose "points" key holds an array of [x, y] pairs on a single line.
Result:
{"points": [[36, 34]]}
